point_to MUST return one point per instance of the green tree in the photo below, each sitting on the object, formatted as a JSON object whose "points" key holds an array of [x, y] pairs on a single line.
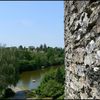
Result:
{"points": [[31, 48], [51, 89], [60, 75], [8, 68], [20, 47], [51, 85]]}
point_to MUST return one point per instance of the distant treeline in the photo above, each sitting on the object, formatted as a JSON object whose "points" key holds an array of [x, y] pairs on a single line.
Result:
{"points": [[33, 58]]}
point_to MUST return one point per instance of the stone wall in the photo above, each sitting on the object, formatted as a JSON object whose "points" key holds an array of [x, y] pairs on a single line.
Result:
{"points": [[82, 49]]}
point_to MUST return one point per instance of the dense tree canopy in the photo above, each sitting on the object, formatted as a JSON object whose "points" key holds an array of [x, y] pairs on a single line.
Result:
{"points": [[52, 84], [8, 68], [35, 58]]}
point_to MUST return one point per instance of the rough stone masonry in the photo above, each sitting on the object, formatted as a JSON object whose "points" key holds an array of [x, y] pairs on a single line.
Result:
{"points": [[82, 49]]}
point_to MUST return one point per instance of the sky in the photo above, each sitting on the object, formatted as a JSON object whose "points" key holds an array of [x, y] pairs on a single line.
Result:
{"points": [[31, 23]]}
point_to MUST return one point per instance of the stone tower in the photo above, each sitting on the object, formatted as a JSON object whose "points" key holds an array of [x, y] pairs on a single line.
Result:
{"points": [[82, 49]]}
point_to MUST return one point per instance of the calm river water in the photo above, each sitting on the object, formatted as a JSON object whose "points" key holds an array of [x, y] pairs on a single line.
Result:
{"points": [[26, 78]]}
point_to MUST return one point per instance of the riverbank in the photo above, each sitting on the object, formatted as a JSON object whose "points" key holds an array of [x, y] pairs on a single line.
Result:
{"points": [[24, 94], [20, 93], [54, 82], [27, 77], [16, 89], [24, 65]]}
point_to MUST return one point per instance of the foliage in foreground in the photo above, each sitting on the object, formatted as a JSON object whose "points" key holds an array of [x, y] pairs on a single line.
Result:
{"points": [[8, 69], [52, 84]]}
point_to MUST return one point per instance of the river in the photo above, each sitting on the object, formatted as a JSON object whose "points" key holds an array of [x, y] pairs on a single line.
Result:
{"points": [[26, 78]]}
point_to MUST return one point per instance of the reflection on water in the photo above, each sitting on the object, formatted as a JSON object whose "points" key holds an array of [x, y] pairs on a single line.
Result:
{"points": [[27, 77]]}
